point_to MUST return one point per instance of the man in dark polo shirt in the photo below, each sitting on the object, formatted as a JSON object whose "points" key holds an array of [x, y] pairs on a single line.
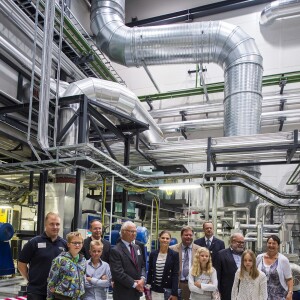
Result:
{"points": [[36, 257], [96, 230]]}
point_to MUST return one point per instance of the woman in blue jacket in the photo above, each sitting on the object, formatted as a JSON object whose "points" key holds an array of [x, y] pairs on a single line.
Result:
{"points": [[163, 269]]}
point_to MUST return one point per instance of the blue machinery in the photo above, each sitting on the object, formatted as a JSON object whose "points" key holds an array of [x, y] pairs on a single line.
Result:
{"points": [[6, 261]]}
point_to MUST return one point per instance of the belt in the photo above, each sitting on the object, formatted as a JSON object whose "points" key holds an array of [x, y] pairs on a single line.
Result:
{"points": [[184, 281]]}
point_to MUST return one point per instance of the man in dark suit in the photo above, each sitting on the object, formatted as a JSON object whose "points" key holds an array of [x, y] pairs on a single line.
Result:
{"points": [[127, 266], [228, 261], [96, 230], [209, 241]]}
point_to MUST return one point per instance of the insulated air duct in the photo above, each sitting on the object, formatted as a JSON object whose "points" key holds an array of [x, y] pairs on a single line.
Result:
{"points": [[279, 9], [114, 96], [219, 42]]}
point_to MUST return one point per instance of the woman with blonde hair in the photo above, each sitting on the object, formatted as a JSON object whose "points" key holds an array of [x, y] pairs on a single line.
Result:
{"points": [[202, 277], [249, 282]]}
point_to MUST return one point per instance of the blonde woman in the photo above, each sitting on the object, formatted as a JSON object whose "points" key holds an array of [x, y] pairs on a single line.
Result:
{"points": [[203, 277], [249, 282]]}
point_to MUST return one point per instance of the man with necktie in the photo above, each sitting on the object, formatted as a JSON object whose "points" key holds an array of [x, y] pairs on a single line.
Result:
{"points": [[227, 263], [209, 241], [127, 266], [186, 250]]}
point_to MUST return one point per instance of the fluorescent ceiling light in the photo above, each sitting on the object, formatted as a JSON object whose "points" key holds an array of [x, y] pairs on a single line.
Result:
{"points": [[176, 186], [5, 206]]}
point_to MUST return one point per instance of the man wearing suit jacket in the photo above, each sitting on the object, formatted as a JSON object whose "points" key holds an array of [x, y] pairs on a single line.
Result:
{"points": [[127, 266], [228, 261], [187, 251], [96, 230], [209, 241]]}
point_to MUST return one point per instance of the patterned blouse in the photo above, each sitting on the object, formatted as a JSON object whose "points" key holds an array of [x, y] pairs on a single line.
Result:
{"points": [[247, 288]]}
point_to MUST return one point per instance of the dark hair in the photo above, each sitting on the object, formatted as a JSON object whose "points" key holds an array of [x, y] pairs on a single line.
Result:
{"points": [[275, 238], [95, 220], [207, 222], [163, 232], [185, 228]]}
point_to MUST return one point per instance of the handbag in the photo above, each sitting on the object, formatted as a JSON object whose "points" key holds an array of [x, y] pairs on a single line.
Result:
{"points": [[168, 294]]}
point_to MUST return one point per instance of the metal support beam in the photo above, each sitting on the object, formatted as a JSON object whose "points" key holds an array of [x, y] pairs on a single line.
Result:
{"points": [[62, 133], [83, 123], [95, 126], [291, 152], [126, 163], [41, 202], [78, 200]]}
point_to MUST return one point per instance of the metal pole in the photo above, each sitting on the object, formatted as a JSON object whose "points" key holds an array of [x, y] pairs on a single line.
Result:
{"points": [[77, 203], [111, 205], [41, 202]]}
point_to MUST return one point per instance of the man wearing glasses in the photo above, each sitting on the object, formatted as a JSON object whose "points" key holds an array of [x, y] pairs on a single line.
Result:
{"points": [[127, 266], [38, 254], [227, 263]]}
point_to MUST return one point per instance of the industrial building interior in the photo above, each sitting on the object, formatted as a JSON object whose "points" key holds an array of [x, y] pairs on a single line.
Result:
{"points": [[167, 113]]}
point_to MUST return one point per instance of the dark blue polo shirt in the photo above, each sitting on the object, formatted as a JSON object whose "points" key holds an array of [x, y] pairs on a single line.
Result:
{"points": [[39, 253]]}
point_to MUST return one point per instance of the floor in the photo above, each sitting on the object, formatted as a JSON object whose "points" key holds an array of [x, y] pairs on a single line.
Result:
{"points": [[9, 287]]}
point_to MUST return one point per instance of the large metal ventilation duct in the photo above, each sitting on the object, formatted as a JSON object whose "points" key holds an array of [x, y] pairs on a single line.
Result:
{"points": [[116, 97], [279, 9], [219, 42]]}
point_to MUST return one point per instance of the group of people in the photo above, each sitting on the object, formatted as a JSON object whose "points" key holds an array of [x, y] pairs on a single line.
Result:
{"points": [[190, 270]]}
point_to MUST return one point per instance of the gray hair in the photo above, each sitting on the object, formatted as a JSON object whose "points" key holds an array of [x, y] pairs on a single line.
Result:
{"points": [[234, 235], [125, 225]]}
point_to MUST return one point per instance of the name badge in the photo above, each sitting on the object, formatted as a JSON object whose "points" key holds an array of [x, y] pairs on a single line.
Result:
{"points": [[138, 252], [41, 245]]}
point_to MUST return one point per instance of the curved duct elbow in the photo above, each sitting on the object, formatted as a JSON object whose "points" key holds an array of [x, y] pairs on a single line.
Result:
{"points": [[218, 42], [279, 9], [118, 98]]}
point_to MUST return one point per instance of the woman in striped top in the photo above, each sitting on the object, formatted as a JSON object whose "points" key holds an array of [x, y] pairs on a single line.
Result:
{"points": [[163, 269]]}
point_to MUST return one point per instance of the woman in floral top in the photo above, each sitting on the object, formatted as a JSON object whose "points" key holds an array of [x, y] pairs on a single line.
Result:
{"points": [[66, 277]]}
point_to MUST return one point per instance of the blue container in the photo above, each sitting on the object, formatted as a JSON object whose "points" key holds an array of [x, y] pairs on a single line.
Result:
{"points": [[173, 241], [6, 232], [142, 234]]}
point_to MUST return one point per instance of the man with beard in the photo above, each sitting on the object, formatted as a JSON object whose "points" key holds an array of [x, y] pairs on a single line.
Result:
{"points": [[227, 263]]}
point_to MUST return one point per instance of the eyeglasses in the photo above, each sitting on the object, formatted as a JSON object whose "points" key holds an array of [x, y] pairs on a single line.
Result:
{"points": [[240, 243], [76, 243], [131, 231]]}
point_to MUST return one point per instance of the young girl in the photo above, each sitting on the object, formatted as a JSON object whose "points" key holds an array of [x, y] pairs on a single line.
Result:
{"points": [[98, 276], [249, 282], [203, 277]]}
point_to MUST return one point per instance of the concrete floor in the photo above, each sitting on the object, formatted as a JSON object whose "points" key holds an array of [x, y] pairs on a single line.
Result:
{"points": [[10, 287]]}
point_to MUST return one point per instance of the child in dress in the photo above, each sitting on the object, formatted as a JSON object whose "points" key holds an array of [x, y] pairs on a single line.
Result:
{"points": [[202, 277], [249, 282]]}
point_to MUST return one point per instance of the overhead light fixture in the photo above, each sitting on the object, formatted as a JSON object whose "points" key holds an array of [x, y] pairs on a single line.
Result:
{"points": [[176, 186], [5, 206]]}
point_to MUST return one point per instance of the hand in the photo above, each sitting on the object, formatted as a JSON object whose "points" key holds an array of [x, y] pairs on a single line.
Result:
{"points": [[88, 278], [198, 284], [140, 285], [289, 296], [173, 298], [52, 290], [104, 277]]}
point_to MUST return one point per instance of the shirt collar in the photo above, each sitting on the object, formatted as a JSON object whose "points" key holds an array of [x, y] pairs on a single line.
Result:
{"points": [[126, 243], [190, 246]]}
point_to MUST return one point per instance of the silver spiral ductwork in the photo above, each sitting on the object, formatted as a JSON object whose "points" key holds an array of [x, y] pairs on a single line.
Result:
{"points": [[219, 42], [279, 9], [116, 97]]}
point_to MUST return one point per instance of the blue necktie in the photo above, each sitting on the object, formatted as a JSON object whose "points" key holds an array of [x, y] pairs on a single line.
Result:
{"points": [[207, 244], [186, 266]]}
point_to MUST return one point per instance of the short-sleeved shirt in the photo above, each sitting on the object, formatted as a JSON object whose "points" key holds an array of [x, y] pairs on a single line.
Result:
{"points": [[39, 253]]}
